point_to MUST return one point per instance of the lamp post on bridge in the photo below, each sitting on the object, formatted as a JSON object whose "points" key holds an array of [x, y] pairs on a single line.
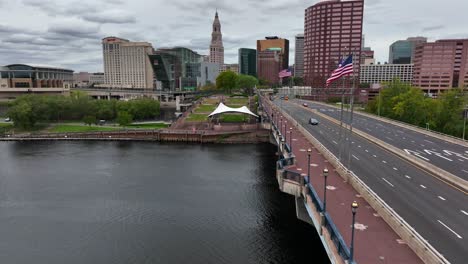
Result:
{"points": [[309, 151], [325, 176], [285, 124], [280, 122], [282, 142], [354, 207], [290, 137]]}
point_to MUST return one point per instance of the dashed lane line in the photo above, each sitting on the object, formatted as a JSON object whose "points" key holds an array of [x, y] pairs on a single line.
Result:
{"points": [[395, 169], [335, 142], [383, 161], [388, 182], [375, 156], [442, 198], [355, 157], [408, 177], [442, 223], [465, 171], [464, 212], [422, 186]]}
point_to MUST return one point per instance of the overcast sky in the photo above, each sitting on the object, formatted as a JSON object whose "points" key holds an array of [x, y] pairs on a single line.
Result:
{"points": [[67, 33]]}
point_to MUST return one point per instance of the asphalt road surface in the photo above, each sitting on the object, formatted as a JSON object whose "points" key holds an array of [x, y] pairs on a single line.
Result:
{"points": [[436, 210], [443, 154]]}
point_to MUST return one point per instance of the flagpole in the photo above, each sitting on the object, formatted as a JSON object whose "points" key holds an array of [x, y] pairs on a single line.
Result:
{"points": [[351, 118], [341, 118]]}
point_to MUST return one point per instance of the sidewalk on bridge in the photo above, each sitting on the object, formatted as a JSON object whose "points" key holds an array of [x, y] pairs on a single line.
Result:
{"points": [[374, 240]]}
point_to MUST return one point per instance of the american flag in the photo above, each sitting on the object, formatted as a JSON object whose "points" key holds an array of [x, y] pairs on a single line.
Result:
{"points": [[285, 73], [344, 68]]}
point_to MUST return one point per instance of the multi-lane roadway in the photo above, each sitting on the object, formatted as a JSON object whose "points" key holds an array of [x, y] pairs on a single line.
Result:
{"points": [[436, 210], [448, 156]]}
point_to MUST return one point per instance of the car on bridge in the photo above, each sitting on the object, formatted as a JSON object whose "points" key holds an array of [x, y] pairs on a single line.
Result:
{"points": [[313, 121], [305, 105]]}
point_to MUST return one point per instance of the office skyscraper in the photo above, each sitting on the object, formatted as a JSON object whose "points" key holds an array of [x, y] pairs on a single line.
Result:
{"points": [[333, 29], [299, 56], [248, 61]]}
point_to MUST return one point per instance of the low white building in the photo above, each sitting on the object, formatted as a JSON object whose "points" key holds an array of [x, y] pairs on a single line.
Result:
{"points": [[378, 73]]}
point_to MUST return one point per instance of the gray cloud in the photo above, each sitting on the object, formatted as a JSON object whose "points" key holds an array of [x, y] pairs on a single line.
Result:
{"points": [[69, 32], [432, 28], [111, 17]]}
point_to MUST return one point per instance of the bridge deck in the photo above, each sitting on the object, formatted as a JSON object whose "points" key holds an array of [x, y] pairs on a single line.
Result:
{"points": [[375, 241]]}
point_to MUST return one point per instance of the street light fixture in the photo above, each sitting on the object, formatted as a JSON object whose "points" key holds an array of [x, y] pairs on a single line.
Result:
{"points": [[325, 176], [285, 124], [309, 151], [282, 141], [290, 137], [354, 207]]}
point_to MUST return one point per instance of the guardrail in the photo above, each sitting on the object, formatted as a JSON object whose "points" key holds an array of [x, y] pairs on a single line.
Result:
{"points": [[414, 240]]}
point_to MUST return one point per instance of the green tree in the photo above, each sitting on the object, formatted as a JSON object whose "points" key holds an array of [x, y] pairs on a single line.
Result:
{"points": [[89, 120], [298, 81], [247, 83], [124, 118], [226, 81], [22, 115]]}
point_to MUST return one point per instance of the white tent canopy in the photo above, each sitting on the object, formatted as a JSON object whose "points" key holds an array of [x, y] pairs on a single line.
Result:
{"points": [[221, 109]]}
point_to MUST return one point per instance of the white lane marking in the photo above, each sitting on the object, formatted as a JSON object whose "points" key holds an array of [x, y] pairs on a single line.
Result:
{"points": [[429, 141], [404, 138], [437, 154], [465, 171], [355, 157], [368, 130], [408, 177], [442, 198], [384, 161], [463, 212], [450, 229], [375, 156], [388, 182], [320, 132], [395, 168], [367, 150], [358, 146], [415, 153], [412, 141], [422, 186], [352, 142], [423, 145], [335, 142], [461, 160], [399, 131]]}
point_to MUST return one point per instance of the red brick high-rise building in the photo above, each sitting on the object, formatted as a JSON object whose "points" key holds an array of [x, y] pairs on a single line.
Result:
{"points": [[332, 29], [272, 57], [441, 65]]}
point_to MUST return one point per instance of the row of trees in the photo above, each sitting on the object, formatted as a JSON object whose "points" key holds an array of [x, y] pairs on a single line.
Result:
{"points": [[403, 102], [28, 110], [229, 81]]}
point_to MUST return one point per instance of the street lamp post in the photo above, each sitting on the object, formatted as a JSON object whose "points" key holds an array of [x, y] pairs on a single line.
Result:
{"points": [[279, 141], [285, 124], [281, 122], [465, 113], [282, 142], [290, 137], [354, 207], [325, 176], [309, 151], [286, 137]]}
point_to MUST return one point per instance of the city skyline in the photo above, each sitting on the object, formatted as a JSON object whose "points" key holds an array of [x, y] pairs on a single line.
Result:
{"points": [[69, 33]]}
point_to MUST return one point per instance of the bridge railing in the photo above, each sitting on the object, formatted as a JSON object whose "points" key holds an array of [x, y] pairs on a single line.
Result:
{"points": [[419, 245]]}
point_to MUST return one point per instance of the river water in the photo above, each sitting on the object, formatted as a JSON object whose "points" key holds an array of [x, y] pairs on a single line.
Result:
{"points": [[131, 202]]}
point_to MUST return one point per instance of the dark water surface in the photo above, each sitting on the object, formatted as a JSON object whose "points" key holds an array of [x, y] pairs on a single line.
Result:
{"points": [[64, 202]]}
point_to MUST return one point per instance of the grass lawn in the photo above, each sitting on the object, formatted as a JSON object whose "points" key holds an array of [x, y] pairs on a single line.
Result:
{"points": [[239, 101], [78, 128], [148, 126], [211, 101], [233, 118], [197, 117], [206, 108], [5, 125]]}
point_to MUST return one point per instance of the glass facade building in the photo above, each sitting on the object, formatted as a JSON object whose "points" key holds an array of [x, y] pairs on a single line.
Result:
{"points": [[248, 62], [402, 51]]}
